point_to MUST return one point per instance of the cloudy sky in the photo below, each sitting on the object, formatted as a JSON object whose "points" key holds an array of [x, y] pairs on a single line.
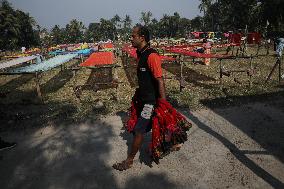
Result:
{"points": [[50, 12]]}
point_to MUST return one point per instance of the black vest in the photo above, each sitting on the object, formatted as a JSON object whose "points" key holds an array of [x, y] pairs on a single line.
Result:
{"points": [[148, 86]]}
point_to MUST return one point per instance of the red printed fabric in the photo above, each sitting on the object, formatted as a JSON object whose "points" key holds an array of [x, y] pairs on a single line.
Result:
{"points": [[169, 128], [254, 38], [184, 47], [196, 54], [167, 58], [196, 34], [225, 45], [235, 38], [99, 58], [132, 53], [107, 46]]}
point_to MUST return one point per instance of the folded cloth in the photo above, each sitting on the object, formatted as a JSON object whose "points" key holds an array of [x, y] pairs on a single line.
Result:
{"points": [[279, 46], [168, 127]]}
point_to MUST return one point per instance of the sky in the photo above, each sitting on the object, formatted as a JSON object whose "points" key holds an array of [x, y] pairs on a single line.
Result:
{"points": [[48, 13]]}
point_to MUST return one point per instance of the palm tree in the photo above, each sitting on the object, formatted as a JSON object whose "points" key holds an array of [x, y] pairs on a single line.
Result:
{"points": [[146, 17], [126, 26], [74, 31], [116, 21]]}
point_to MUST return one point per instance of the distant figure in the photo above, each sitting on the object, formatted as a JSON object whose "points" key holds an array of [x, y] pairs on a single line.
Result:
{"points": [[206, 45], [23, 49]]}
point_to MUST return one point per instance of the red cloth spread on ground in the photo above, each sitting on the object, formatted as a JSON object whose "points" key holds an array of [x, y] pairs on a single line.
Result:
{"points": [[196, 34], [254, 38], [132, 53], [167, 58], [99, 58], [196, 54], [168, 127], [225, 45], [235, 38], [107, 46], [183, 47]]}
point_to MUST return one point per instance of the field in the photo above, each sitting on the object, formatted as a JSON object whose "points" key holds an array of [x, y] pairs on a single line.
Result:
{"points": [[21, 108]]}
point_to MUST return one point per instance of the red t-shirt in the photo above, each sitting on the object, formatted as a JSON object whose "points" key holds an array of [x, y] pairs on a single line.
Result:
{"points": [[155, 65]]}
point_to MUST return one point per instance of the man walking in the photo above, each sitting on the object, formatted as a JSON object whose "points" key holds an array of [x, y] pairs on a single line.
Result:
{"points": [[151, 87]]}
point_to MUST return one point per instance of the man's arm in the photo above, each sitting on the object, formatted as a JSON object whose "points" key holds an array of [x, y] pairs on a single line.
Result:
{"points": [[155, 65], [162, 89]]}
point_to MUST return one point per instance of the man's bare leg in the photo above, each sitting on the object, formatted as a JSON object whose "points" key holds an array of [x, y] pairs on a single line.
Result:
{"points": [[136, 145]]}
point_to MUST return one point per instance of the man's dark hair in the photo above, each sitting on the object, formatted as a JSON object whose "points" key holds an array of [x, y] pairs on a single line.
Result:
{"points": [[143, 31]]}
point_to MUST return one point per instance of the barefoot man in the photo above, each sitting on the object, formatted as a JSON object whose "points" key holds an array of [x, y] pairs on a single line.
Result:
{"points": [[151, 88]]}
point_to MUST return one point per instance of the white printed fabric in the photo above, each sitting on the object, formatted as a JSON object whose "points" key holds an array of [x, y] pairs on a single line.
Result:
{"points": [[147, 111], [280, 46], [45, 65], [16, 61]]}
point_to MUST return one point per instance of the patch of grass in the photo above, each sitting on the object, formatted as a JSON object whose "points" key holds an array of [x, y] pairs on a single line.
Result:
{"points": [[18, 93]]}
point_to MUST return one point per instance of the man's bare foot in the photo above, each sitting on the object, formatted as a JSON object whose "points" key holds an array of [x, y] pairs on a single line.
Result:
{"points": [[124, 165]]}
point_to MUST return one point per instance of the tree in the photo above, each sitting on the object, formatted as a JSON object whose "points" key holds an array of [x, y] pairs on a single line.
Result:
{"points": [[9, 27], [57, 35], [107, 28], [17, 28], [164, 26], [237, 14], [93, 32], [184, 27], [174, 24], [146, 17], [197, 23], [154, 27], [29, 34], [116, 20], [127, 22], [74, 31], [272, 11]]}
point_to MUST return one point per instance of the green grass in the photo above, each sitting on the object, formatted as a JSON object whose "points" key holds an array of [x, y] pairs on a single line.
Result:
{"points": [[18, 93]]}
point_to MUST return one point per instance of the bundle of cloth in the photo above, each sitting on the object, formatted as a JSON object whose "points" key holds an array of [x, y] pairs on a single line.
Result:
{"points": [[169, 127], [279, 46]]}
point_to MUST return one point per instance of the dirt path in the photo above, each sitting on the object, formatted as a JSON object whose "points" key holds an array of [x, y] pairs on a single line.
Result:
{"points": [[236, 147]]}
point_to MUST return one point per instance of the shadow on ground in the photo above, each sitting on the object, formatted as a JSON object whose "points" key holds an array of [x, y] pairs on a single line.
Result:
{"points": [[11, 86], [69, 154], [57, 81], [264, 128], [144, 156], [190, 75], [130, 70]]}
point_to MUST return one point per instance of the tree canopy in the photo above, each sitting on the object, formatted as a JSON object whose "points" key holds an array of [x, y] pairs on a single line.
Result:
{"points": [[18, 28]]}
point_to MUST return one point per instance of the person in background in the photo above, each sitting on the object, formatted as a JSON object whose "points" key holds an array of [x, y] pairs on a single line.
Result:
{"points": [[23, 49]]}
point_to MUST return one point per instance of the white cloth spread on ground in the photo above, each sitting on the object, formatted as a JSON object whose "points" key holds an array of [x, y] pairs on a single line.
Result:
{"points": [[45, 65], [17, 61]]}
